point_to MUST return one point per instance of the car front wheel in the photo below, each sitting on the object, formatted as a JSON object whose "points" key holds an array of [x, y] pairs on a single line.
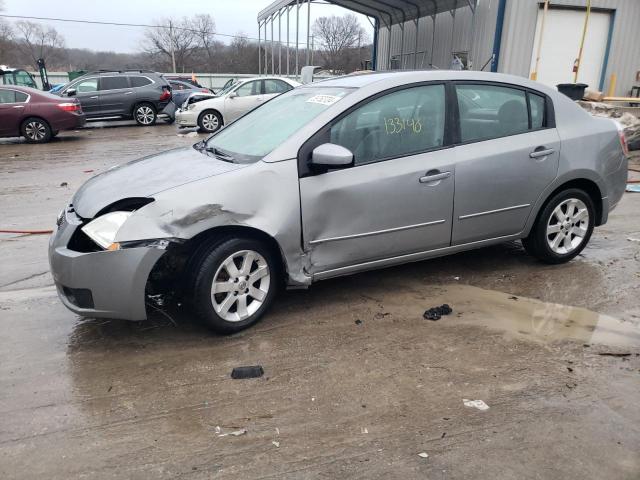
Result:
{"points": [[563, 228], [145, 114], [235, 281], [36, 130], [209, 121]]}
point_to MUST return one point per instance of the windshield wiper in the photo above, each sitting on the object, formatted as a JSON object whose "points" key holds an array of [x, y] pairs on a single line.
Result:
{"points": [[219, 154]]}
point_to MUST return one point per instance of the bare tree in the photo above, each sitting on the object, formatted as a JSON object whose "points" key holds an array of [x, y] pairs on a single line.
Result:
{"points": [[175, 41], [6, 44], [35, 41], [205, 27], [337, 36]]}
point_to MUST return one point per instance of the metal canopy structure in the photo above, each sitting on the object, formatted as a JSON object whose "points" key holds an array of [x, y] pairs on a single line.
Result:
{"points": [[386, 14]]}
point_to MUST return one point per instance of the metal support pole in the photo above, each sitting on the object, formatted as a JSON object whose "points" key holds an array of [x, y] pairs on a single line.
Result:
{"points": [[453, 27], [266, 58], [288, 8], [433, 38], [308, 30], [259, 52], [389, 48], [279, 42], [472, 6], [297, 36], [173, 53], [402, 48], [415, 51], [273, 52]]}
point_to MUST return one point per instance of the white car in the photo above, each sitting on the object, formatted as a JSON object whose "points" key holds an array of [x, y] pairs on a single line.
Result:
{"points": [[232, 102]]}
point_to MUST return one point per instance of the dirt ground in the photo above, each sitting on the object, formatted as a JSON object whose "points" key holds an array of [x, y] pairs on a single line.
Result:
{"points": [[357, 384]]}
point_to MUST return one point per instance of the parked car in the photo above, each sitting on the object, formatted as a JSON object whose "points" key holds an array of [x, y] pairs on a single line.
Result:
{"points": [[135, 94], [16, 76], [36, 115], [232, 102], [337, 177]]}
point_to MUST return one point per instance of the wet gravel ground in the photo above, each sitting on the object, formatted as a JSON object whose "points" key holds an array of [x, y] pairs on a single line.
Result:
{"points": [[357, 383]]}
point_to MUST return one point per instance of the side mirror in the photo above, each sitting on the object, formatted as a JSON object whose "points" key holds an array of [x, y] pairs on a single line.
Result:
{"points": [[233, 94], [70, 92], [331, 156]]}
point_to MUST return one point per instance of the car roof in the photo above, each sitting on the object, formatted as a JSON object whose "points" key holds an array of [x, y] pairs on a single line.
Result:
{"points": [[384, 80]]}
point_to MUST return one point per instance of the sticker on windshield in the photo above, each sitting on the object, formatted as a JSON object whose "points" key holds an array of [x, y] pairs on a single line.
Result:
{"points": [[324, 99]]}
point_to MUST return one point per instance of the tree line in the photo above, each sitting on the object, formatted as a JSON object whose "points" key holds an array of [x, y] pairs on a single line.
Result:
{"points": [[186, 45]]}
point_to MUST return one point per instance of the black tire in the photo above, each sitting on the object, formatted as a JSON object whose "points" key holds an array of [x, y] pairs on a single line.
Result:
{"points": [[209, 262], [537, 243], [35, 130], [209, 121], [145, 114]]}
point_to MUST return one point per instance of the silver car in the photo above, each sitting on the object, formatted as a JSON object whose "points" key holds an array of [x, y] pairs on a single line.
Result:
{"points": [[333, 178]]}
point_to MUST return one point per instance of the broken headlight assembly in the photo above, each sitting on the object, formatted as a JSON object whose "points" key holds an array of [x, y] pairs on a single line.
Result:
{"points": [[103, 230]]}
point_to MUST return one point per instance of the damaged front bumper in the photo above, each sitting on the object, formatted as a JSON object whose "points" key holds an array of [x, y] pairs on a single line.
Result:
{"points": [[109, 284]]}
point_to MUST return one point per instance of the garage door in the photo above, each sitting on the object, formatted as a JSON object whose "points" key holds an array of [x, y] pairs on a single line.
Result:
{"points": [[561, 42]]}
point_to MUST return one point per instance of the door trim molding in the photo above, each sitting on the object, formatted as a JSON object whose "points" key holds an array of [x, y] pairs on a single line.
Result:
{"points": [[489, 212], [377, 232]]}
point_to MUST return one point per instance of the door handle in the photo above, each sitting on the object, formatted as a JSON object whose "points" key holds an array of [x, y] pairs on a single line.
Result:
{"points": [[94, 97], [434, 177], [18, 106], [128, 93], [541, 152]]}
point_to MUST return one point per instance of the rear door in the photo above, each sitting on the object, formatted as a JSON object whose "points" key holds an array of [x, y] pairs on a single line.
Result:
{"points": [[114, 93], [273, 87], [249, 96], [398, 197], [508, 153], [12, 109]]}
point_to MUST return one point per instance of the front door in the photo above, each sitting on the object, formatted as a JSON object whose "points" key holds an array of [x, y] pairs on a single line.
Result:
{"points": [[397, 198], [87, 94], [248, 96], [506, 159]]}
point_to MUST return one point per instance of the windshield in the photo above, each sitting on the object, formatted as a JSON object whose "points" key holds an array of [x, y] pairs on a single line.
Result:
{"points": [[256, 134]]}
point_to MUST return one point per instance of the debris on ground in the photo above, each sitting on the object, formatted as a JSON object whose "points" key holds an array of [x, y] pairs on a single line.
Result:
{"points": [[634, 188], [253, 371], [188, 135], [64, 184], [87, 171], [235, 433], [364, 430], [479, 404], [435, 313], [513, 297], [358, 322], [276, 444], [614, 354], [631, 239], [423, 455]]}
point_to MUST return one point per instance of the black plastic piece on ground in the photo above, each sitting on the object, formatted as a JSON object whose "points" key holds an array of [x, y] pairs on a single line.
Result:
{"points": [[435, 313], [254, 371]]}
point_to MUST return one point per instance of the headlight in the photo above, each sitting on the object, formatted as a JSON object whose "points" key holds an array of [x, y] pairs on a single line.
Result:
{"points": [[191, 106], [103, 230]]}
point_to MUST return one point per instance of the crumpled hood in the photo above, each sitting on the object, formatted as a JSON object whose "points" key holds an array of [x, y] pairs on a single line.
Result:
{"points": [[145, 177]]}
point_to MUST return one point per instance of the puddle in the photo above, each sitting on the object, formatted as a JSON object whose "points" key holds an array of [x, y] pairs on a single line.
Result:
{"points": [[536, 320]]}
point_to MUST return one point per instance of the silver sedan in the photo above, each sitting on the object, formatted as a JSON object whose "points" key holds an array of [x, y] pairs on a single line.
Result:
{"points": [[333, 178]]}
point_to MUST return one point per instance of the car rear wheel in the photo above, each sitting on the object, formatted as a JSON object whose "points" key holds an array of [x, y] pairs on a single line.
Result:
{"points": [[36, 130], [235, 282], [145, 114], [563, 228], [209, 121]]}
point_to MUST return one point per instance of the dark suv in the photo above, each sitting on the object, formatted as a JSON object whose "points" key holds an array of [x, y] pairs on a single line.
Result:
{"points": [[137, 94]]}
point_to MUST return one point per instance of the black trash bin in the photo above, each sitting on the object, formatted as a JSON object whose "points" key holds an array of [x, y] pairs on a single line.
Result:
{"points": [[575, 91]]}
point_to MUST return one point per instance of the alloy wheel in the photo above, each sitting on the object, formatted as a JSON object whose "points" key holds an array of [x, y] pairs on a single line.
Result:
{"points": [[145, 115], [240, 285], [210, 121], [567, 226], [35, 131]]}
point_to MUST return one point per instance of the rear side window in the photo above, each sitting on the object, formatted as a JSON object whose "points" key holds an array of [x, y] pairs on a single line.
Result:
{"points": [[276, 86], [113, 83], [21, 97], [487, 111], [178, 86], [401, 123], [7, 96], [139, 81]]}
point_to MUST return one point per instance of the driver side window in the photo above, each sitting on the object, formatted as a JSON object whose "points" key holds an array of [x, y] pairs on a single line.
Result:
{"points": [[404, 122], [87, 86], [249, 88]]}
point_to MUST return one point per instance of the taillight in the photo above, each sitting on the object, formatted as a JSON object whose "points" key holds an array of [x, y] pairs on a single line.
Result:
{"points": [[204, 90], [165, 95], [623, 142], [70, 107]]}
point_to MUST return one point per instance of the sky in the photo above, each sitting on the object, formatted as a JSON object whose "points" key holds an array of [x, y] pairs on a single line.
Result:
{"points": [[231, 17]]}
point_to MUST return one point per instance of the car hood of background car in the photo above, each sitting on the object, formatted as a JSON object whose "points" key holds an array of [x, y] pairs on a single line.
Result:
{"points": [[145, 177]]}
